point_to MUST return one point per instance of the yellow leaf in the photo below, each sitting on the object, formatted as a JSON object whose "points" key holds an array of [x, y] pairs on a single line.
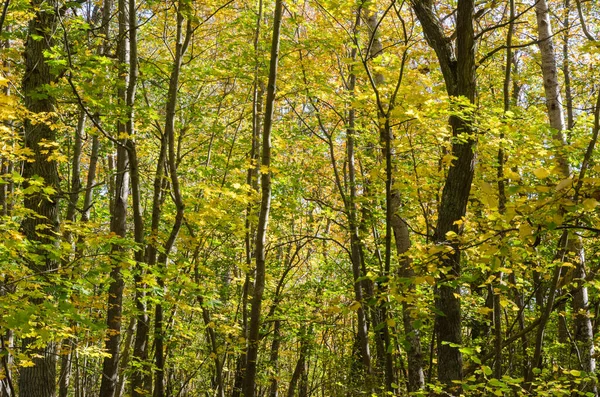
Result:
{"points": [[557, 218], [354, 306], [447, 159], [486, 188], [333, 309], [590, 204], [525, 230], [512, 175], [484, 310], [541, 173], [564, 183], [575, 372], [27, 363], [391, 322]]}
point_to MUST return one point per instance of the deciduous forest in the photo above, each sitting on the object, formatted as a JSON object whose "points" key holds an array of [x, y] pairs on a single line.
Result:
{"points": [[326, 198]]}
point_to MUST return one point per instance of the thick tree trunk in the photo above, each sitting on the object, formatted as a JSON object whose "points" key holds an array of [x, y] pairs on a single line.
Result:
{"points": [[42, 230], [552, 86], [459, 75]]}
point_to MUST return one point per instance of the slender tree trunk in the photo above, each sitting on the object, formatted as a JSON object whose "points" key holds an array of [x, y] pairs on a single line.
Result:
{"points": [[125, 356], [395, 225], [583, 326], [265, 206], [183, 41], [392, 204], [110, 366], [496, 287], [251, 181], [67, 346], [274, 359], [414, 352], [355, 242], [300, 369]]}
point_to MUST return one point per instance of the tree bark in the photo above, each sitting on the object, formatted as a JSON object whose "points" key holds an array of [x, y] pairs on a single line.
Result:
{"points": [[274, 359], [265, 207], [118, 224], [300, 369], [355, 241], [181, 46], [252, 182], [42, 229], [459, 76], [573, 245]]}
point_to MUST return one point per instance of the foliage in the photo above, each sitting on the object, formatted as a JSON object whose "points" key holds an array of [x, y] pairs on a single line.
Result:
{"points": [[511, 237]]}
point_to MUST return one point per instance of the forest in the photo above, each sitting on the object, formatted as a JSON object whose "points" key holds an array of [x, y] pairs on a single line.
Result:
{"points": [[281, 198]]}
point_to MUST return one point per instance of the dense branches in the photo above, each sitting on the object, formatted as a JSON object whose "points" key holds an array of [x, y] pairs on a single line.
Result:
{"points": [[303, 198]]}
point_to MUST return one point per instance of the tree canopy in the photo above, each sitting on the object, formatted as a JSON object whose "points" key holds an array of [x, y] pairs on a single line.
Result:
{"points": [[299, 198]]}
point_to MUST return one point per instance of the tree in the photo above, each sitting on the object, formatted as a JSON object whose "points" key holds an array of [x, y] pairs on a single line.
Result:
{"points": [[459, 76], [41, 226], [265, 208], [369, 197]]}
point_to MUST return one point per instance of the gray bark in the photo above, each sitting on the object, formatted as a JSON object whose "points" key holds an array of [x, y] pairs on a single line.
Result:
{"points": [[573, 244]]}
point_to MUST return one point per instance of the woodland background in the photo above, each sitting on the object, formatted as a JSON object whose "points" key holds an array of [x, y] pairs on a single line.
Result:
{"points": [[299, 198]]}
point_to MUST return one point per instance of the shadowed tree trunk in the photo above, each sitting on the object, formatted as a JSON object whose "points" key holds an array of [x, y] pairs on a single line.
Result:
{"points": [[459, 75], [41, 230], [362, 334], [118, 223], [251, 181]]}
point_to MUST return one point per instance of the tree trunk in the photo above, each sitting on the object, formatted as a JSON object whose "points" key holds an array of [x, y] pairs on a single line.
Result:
{"points": [[416, 378], [274, 359], [118, 224], [42, 230], [180, 49], [252, 182], [265, 206], [355, 242], [300, 369], [583, 326], [459, 75]]}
